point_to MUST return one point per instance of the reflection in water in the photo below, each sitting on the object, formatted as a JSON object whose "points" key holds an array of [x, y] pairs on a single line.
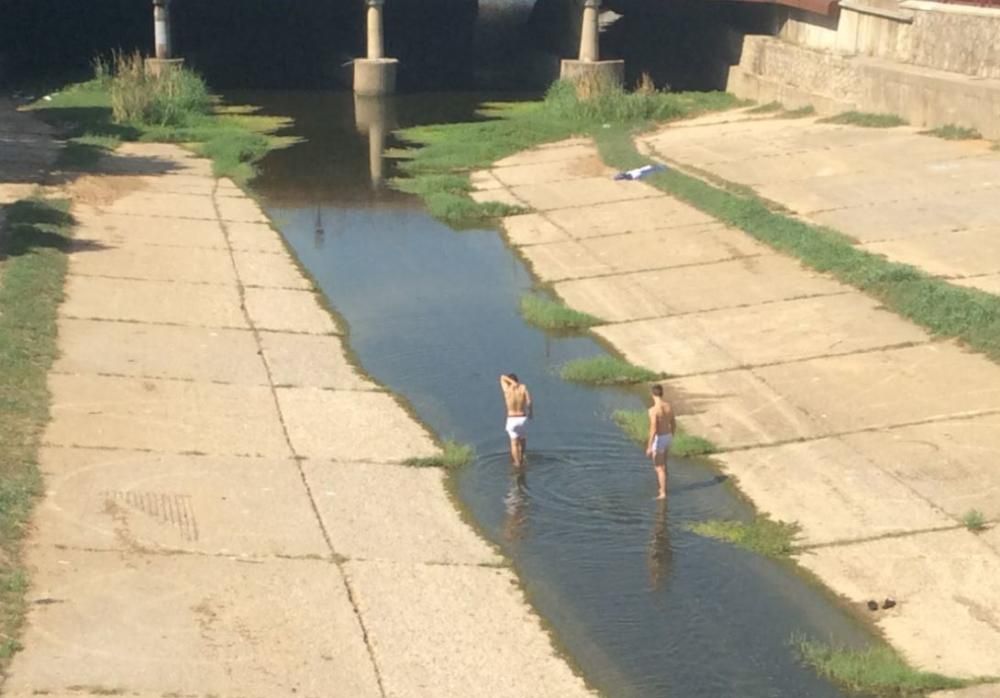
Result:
{"points": [[516, 506], [319, 233], [660, 553], [375, 116]]}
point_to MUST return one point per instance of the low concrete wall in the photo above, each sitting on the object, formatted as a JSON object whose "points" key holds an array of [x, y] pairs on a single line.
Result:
{"points": [[954, 38], [774, 70]]}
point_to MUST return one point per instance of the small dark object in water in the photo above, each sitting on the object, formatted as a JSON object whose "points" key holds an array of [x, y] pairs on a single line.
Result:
{"points": [[873, 605], [889, 602]]}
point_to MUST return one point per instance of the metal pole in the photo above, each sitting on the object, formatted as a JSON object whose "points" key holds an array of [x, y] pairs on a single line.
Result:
{"points": [[161, 25]]}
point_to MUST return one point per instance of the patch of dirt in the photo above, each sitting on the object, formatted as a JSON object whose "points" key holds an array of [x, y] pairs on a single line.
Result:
{"points": [[589, 166], [102, 190]]}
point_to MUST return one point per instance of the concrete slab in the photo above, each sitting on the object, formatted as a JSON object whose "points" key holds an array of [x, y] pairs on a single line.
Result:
{"points": [[985, 691], [945, 584], [553, 171], [736, 409], [149, 203], [675, 247], [151, 502], [560, 151], [890, 221], [730, 284], [581, 192], [315, 361], [657, 212], [366, 520], [164, 415], [190, 265], [532, 229], [191, 625], [832, 491], [351, 426], [254, 237], [483, 180], [241, 209], [989, 283], [128, 300], [962, 253], [433, 630], [178, 183], [127, 230], [889, 388], [286, 310], [763, 334], [563, 260], [951, 463], [159, 351], [501, 196], [269, 270]]}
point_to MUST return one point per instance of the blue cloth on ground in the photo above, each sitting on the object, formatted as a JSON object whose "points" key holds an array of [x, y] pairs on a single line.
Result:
{"points": [[640, 172]]}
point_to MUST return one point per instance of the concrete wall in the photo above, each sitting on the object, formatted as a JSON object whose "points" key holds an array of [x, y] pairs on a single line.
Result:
{"points": [[954, 38], [774, 70]]}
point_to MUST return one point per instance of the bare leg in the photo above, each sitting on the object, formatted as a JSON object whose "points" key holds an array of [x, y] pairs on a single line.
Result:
{"points": [[513, 452], [660, 465], [522, 446]]}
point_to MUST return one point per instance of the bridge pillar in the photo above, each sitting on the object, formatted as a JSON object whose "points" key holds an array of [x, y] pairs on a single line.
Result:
{"points": [[164, 59], [589, 65], [375, 74]]}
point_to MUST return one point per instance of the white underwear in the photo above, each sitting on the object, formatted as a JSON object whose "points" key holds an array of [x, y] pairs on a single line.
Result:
{"points": [[516, 426], [661, 442]]}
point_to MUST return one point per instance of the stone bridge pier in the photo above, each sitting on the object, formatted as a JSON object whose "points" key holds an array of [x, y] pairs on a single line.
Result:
{"points": [[375, 74], [589, 64]]}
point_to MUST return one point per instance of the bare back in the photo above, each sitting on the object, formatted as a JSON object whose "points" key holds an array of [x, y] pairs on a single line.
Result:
{"points": [[661, 418], [517, 399]]}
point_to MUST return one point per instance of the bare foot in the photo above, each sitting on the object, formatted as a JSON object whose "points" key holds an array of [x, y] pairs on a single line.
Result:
{"points": [[661, 495]]}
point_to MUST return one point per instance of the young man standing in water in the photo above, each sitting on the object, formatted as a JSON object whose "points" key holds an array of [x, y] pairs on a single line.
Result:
{"points": [[661, 434], [518, 401]]}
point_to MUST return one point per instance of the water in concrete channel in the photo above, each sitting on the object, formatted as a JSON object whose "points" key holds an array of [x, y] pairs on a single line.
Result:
{"points": [[641, 605]]}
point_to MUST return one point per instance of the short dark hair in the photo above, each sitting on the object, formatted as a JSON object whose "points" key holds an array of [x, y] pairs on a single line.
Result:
{"points": [[513, 377], [657, 390]]}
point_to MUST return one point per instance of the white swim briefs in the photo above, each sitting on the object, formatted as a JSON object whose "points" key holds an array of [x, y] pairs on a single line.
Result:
{"points": [[661, 442], [516, 426]]}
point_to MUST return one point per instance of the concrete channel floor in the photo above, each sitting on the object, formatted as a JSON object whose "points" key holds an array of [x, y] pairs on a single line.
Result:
{"points": [[225, 512], [830, 410]]}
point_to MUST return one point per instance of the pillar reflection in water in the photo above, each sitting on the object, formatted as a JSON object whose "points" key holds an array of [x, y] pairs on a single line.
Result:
{"points": [[375, 116]]}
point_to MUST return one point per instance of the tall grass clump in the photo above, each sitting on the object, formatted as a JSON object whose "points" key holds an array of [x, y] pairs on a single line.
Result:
{"points": [[635, 424], [554, 315], [33, 246], [169, 98], [606, 370], [760, 535], [974, 520], [452, 455], [874, 670]]}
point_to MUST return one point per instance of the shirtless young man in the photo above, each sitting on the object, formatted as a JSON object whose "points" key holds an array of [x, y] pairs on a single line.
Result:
{"points": [[518, 400], [661, 434]]}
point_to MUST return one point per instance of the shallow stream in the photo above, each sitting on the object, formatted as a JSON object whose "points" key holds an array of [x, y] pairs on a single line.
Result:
{"points": [[642, 606]]}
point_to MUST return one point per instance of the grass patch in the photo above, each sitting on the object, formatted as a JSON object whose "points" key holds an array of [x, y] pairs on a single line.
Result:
{"points": [[606, 370], [865, 119], [32, 268], [876, 670], [952, 132], [453, 455], [554, 315], [946, 310], [437, 167], [635, 424], [974, 520], [765, 108], [761, 535], [800, 113], [95, 116]]}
